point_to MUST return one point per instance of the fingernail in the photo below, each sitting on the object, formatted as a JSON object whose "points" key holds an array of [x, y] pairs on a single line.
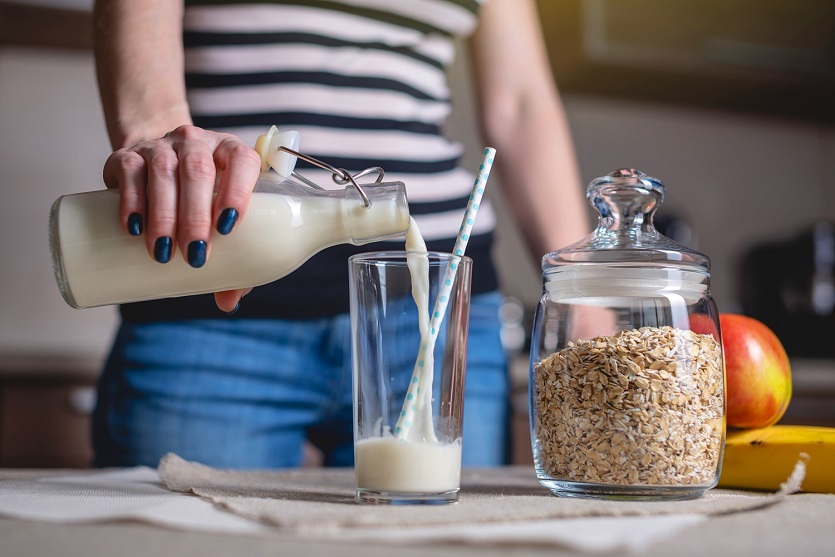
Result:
{"points": [[135, 224], [162, 249], [197, 253], [227, 220], [235, 309]]}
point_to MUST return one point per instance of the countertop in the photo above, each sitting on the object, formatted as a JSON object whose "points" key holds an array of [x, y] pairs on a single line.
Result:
{"points": [[801, 524]]}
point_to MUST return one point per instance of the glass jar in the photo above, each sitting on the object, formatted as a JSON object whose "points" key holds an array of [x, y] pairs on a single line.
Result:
{"points": [[627, 371]]}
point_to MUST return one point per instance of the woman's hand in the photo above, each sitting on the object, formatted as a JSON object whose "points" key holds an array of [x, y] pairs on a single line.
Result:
{"points": [[176, 189]]}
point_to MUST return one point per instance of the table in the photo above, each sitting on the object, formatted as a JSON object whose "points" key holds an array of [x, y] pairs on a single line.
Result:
{"points": [[802, 524]]}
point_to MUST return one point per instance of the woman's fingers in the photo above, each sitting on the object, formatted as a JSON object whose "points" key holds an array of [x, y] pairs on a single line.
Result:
{"points": [[229, 300], [126, 170], [168, 190], [196, 177], [161, 199], [168, 193], [239, 166]]}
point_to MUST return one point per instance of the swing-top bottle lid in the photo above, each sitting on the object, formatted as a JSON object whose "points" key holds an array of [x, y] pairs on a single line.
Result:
{"points": [[626, 201], [269, 147]]}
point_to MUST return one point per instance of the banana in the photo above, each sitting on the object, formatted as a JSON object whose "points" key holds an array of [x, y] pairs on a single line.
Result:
{"points": [[764, 458]]}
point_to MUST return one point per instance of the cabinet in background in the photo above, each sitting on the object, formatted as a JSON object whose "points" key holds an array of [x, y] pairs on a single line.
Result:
{"points": [[45, 410]]}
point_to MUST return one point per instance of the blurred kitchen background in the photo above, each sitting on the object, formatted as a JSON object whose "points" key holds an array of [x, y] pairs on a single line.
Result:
{"points": [[730, 102]]}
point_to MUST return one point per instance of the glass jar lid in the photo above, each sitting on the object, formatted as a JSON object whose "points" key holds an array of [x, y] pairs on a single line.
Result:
{"points": [[626, 200]]}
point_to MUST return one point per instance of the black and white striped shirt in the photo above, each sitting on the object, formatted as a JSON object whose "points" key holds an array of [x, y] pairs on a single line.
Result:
{"points": [[365, 83]]}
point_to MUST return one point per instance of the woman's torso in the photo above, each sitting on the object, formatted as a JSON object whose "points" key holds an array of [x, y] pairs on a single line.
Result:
{"points": [[365, 83]]}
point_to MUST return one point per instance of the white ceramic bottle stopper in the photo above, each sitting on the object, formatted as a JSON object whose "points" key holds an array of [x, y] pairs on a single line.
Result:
{"points": [[269, 146]]}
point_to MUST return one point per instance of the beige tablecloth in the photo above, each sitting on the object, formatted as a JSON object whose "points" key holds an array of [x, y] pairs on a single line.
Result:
{"points": [[323, 501]]}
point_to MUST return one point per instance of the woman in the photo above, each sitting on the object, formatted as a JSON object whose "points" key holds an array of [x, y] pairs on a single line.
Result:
{"points": [[186, 89]]}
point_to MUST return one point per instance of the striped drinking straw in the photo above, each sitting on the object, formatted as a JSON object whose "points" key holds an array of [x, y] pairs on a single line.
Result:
{"points": [[422, 374]]}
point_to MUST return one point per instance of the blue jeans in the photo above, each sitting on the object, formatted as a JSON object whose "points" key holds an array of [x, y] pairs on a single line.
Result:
{"points": [[249, 393]]}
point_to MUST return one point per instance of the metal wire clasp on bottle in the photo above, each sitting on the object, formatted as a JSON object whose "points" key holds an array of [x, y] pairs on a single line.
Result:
{"points": [[340, 176]]}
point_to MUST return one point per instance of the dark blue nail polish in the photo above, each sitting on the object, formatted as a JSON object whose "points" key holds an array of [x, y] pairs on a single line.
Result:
{"points": [[227, 220], [135, 224], [162, 249], [234, 309], [197, 253]]}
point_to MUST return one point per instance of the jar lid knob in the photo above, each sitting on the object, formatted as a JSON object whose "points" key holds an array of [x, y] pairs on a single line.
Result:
{"points": [[627, 192], [632, 177]]}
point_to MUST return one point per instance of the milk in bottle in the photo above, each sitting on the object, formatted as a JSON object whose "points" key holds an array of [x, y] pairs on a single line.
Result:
{"points": [[97, 263]]}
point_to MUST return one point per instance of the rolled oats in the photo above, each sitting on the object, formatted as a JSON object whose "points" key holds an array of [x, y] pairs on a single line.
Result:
{"points": [[641, 407]]}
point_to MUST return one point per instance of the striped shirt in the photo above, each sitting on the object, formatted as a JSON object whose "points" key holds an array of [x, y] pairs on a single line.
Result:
{"points": [[364, 82]]}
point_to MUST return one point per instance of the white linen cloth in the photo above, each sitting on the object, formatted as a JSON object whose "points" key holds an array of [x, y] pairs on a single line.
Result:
{"points": [[102, 496]]}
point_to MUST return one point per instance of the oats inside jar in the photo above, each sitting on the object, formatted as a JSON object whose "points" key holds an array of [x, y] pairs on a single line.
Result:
{"points": [[641, 407]]}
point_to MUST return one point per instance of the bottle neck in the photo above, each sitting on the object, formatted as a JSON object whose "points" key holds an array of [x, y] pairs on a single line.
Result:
{"points": [[387, 217]]}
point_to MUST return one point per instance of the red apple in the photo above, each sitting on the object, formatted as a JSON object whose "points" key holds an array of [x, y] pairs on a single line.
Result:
{"points": [[757, 372]]}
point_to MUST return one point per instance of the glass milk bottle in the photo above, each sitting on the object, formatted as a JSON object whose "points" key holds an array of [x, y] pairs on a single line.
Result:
{"points": [[627, 372], [97, 263]]}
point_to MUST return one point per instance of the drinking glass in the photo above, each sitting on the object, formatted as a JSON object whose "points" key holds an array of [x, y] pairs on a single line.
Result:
{"points": [[408, 391]]}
